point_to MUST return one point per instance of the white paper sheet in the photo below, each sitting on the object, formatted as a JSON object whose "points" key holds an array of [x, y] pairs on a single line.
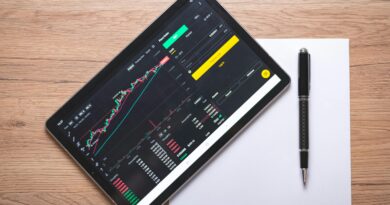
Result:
{"points": [[261, 166]]}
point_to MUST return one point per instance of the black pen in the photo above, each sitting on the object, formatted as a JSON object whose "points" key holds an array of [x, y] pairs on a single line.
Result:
{"points": [[303, 94]]}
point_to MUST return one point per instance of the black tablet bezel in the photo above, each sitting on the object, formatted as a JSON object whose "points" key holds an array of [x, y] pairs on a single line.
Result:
{"points": [[131, 50]]}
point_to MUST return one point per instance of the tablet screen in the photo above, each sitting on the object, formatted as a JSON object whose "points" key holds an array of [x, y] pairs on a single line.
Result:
{"points": [[166, 105]]}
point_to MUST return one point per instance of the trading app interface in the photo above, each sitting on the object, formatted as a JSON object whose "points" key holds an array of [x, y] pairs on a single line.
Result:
{"points": [[144, 122]]}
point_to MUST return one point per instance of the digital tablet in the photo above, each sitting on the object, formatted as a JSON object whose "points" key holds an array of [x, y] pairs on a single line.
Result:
{"points": [[167, 103]]}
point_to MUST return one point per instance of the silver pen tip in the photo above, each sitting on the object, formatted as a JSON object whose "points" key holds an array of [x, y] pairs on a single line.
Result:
{"points": [[303, 50], [304, 176]]}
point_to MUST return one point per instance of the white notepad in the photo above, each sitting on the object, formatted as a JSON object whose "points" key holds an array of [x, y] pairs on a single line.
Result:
{"points": [[261, 166]]}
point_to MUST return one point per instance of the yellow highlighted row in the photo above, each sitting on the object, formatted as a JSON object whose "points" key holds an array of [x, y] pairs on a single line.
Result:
{"points": [[215, 57]]}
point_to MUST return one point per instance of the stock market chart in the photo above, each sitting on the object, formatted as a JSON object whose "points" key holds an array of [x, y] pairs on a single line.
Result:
{"points": [[167, 100]]}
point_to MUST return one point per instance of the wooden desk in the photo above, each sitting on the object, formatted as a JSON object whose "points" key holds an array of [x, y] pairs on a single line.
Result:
{"points": [[49, 49]]}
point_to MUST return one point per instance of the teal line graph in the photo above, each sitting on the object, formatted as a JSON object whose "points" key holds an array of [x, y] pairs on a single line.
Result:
{"points": [[127, 114]]}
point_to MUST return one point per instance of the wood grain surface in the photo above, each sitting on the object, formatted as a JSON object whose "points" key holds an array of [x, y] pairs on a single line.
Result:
{"points": [[49, 49]]}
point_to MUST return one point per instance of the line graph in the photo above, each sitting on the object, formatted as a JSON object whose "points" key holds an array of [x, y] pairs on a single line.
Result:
{"points": [[119, 100]]}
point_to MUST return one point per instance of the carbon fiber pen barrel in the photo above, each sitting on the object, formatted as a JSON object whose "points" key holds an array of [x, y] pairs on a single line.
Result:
{"points": [[304, 131], [304, 123]]}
